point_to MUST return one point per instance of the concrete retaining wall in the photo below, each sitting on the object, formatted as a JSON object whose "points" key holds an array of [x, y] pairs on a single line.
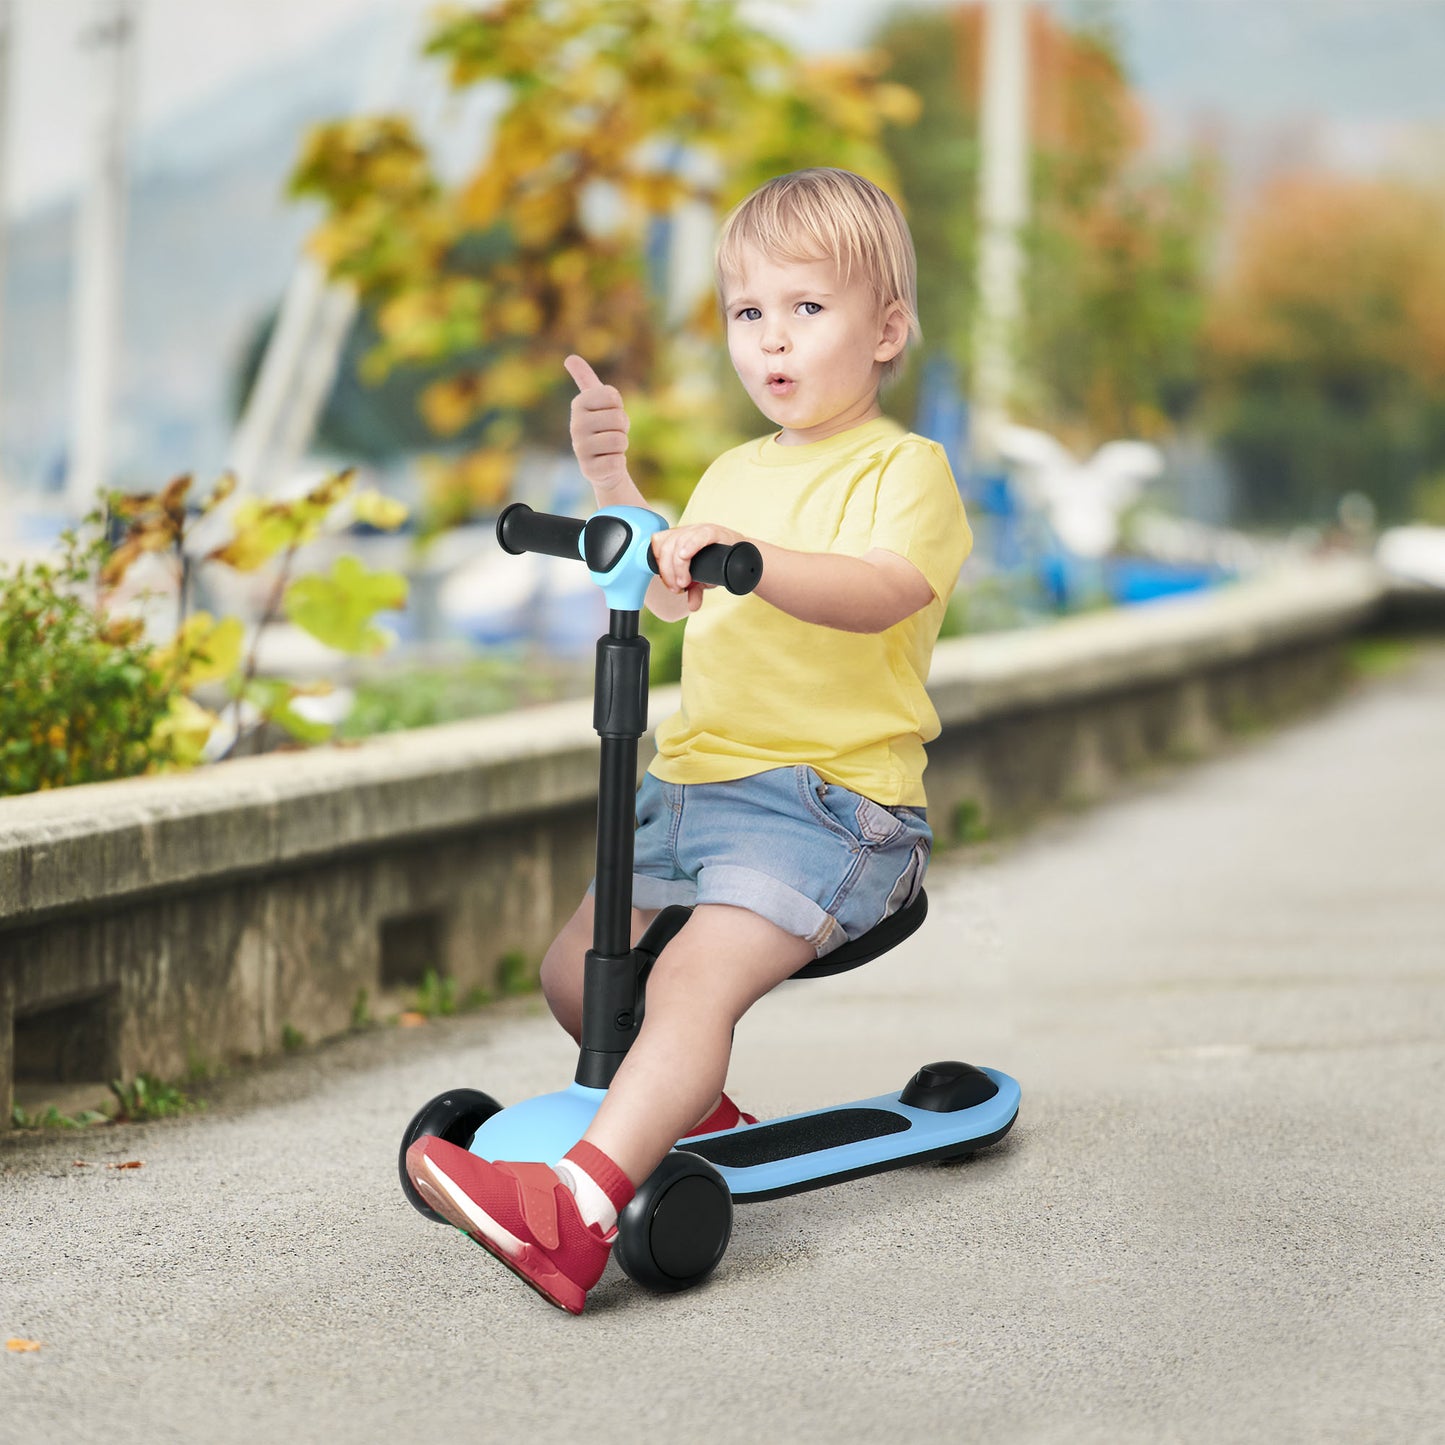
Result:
{"points": [[171, 925]]}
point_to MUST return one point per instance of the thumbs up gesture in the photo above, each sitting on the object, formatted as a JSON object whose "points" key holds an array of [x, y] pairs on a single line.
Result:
{"points": [[599, 429]]}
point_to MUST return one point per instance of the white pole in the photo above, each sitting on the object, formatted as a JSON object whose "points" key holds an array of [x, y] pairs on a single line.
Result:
{"points": [[305, 348], [5, 16], [1003, 210], [269, 405], [99, 238]]}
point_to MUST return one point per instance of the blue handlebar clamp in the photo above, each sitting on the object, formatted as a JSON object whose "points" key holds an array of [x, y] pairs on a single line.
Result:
{"points": [[616, 545]]}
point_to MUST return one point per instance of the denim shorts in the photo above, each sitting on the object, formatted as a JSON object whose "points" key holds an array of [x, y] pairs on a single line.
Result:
{"points": [[823, 863]]}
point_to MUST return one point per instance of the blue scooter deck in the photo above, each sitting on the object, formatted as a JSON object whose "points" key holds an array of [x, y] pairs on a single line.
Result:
{"points": [[827, 1146]]}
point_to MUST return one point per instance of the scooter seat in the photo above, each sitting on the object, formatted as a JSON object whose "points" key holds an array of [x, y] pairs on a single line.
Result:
{"points": [[878, 940]]}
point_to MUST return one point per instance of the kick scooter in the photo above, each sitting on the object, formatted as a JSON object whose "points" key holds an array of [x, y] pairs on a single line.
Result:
{"points": [[677, 1226]]}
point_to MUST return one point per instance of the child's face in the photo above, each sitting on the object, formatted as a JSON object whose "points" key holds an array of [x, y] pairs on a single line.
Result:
{"points": [[808, 349]]}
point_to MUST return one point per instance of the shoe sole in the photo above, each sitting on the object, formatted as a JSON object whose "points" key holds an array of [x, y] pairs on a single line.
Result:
{"points": [[435, 1186]]}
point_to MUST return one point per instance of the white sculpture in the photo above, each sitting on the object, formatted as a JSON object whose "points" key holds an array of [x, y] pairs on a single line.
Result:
{"points": [[1083, 501]]}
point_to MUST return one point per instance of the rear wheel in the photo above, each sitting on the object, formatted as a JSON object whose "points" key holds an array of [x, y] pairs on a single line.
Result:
{"points": [[454, 1116]]}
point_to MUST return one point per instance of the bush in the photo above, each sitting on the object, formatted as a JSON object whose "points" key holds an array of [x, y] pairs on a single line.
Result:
{"points": [[83, 692], [88, 698]]}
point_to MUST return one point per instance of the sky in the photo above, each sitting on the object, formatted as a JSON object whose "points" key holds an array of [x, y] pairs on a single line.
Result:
{"points": [[1374, 61], [185, 50]]}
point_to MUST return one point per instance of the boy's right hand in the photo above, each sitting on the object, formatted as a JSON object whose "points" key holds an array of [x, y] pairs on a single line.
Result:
{"points": [[599, 428]]}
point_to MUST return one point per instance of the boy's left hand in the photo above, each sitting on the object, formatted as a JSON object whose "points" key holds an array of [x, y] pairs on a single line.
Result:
{"points": [[675, 549]]}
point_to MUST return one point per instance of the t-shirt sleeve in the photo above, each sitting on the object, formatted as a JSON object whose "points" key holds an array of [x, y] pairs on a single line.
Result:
{"points": [[918, 513]]}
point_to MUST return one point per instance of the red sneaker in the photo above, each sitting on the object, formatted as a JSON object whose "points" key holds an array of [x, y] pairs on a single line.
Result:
{"points": [[523, 1213], [727, 1115]]}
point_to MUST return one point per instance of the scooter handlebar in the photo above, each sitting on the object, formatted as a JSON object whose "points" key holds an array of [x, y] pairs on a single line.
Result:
{"points": [[520, 529], [739, 568]]}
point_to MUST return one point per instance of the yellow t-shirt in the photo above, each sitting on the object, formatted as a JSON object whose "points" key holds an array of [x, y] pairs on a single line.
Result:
{"points": [[760, 689]]}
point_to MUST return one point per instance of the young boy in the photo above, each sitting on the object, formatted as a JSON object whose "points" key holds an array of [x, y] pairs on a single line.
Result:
{"points": [[786, 800]]}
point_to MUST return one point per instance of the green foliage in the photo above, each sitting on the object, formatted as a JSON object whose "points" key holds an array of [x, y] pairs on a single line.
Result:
{"points": [[89, 698], [435, 996], [423, 697], [1299, 443], [998, 602], [1429, 503], [1244, 718], [664, 658], [1116, 252], [52, 1118], [266, 533], [292, 1039], [146, 1097], [1117, 304], [937, 163], [361, 1010], [337, 609], [969, 824], [1327, 342], [677, 432], [83, 693], [199, 1068], [273, 699], [515, 973], [1380, 656]]}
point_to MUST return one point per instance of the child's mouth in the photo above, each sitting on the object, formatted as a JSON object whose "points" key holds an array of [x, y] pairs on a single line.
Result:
{"points": [[781, 385]]}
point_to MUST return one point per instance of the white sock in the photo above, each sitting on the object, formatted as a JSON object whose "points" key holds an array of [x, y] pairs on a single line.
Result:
{"points": [[592, 1202]]}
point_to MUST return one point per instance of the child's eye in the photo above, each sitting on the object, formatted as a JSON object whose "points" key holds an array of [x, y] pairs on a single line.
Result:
{"points": [[749, 313], [811, 308]]}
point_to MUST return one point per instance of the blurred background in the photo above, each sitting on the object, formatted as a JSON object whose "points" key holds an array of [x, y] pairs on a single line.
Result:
{"points": [[1182, 284]]}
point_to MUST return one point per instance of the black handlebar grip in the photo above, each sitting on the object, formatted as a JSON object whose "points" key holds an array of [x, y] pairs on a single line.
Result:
{"points": [[520, 529], [739, 568]]}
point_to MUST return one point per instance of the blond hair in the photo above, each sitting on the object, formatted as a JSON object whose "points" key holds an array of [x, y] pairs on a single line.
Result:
{"points": [[822, 214]]}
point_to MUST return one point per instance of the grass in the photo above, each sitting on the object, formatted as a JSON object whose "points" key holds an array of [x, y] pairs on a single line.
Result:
{"points": [[361, 1011], [968, 824], [1380, 656], [423, 697], [52, 1118], [514, 974], [144, 1097], [435, 996]]}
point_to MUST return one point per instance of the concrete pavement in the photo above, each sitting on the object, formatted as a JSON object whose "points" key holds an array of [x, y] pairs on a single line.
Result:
{"points": [[1218, 1217]]}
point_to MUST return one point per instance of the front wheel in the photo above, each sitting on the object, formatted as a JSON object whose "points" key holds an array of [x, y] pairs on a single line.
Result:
{"points": [[454, 1116], [676, 1228]]}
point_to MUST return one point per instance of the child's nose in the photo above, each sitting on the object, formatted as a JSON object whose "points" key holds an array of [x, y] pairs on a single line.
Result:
{"points": [[775, 340]]}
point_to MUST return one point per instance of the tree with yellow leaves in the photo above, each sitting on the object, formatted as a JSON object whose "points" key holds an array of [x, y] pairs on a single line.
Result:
{"points": [[1327, 349], [614, 114]]}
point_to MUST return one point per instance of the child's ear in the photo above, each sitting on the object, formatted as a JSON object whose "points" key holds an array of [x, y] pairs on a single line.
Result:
{"points": [[893, 334]]}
